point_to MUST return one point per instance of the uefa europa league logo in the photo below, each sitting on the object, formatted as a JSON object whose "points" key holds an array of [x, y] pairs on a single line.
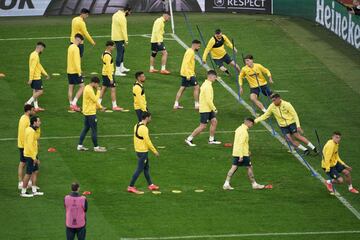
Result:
{"points": [[219, 3]]}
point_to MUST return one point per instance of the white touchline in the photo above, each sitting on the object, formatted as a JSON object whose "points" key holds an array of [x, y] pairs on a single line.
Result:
{"points": [[280, 91], [247, 235], [125, 135], [276, 135]]}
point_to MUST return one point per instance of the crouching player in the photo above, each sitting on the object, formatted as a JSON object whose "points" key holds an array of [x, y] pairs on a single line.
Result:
{"points": [[241, 155], [333, 165]]}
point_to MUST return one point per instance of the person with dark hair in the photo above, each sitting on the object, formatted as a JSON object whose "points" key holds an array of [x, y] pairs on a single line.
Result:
{"points": [[241, 155], [90, 104], [78, 26], [31, 151], [35, 72], [108, 75], [334, 166], [74, 72], [157, 44], [76, 207], [140, 104], [254, 74], [119, 35], [218, 53], [207, 110], [142, 144], [24, 123], [187, 73], [288, 121]]}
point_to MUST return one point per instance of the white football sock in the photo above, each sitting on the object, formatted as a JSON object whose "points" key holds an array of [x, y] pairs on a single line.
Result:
{"points": [[163, 67], [176, 103], [211, 138], [254, 184], [151, 67], [23, 190], [33, 188], [350, 186], [74, 101], [310, 145], [190, 138], [264, 109], [36, 105], [301, 147], [100, 100], [114, 104], [328, 181], [30, 101]]}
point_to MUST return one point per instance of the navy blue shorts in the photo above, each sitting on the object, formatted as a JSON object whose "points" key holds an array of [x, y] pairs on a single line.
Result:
{"points": [[220, 62], [265, 90], [139, 114], [75, 79], [188, 83], [30, 166], [205, 117], [335, 171], [106, 82], [37, 84], [290, 129], [22, 158], [246, 162], [155, 47]]}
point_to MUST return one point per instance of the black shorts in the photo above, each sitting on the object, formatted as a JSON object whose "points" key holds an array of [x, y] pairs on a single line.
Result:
{"points": [[106, 82], [335, 171], [188, 83], [75, 79], [205, 117], [246, 162], [30, 166], [290, 129], [155, 47], [37, 84], [22, 158], [220, 62], [265, 90]]}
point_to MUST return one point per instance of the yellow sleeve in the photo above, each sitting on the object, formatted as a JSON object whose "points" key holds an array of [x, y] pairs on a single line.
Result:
{"points": [[86, 33], [157, 31], [242, 143], [327, 153], [266, 115], [241, 77], [123, 28], [94, 98], [107, 60], [186, 60], [137, 91], [32, 66], [294, 114], [144, 132], [208, 48], [209, 99], [265, 70], [227, 42], [77, 59], [43, 70]]}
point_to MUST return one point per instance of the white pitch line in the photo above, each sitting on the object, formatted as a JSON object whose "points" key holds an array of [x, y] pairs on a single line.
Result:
{"points": [[126, 135], [247, 235], [275, 135], [280, 91]]}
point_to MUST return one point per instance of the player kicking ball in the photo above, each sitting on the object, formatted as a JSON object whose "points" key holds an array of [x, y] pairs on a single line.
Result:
{"points": [[241, 156], [334, 166]]}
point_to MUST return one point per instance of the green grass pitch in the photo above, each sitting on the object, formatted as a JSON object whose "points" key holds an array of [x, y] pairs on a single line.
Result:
{"points": [[319, 72]]}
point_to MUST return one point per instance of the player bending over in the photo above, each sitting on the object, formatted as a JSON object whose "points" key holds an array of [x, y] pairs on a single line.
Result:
{"points": [[288, 121], [218, 53], [333, 165], [187, 73], [254, 74]]}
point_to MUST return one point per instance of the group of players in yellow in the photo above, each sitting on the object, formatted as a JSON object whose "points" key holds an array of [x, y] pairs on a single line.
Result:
{"points": [[92, 94]]}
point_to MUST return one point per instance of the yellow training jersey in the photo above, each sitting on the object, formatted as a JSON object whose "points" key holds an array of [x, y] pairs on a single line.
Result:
{"points": [[139, 97], [142, 142], [330, 155], [188, 64], [78, 25], [31, 143], [241, 142], [206, 98], [216, 47], [108, 65], [24, 123], [119, 27], [73, 60], [285, 114], [90, 101], [35, 67], [158, 31], [250, 74]]}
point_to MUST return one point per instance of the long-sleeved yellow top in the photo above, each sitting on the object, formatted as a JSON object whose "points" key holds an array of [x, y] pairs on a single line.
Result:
{"points": [[206, 98], [78, 25], [31, 143], [330, 155], [251, 73], [142, 141], [119, 27], [90, 101], [73, 60], [216, 47], [24, 122], [285, 114], [35, 67], [108, 65], [188, 64], [158, 31], [139, 97], [241, 142]]}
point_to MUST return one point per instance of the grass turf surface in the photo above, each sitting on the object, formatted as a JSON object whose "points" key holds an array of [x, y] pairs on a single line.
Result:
{"points": [[304, 59]]}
